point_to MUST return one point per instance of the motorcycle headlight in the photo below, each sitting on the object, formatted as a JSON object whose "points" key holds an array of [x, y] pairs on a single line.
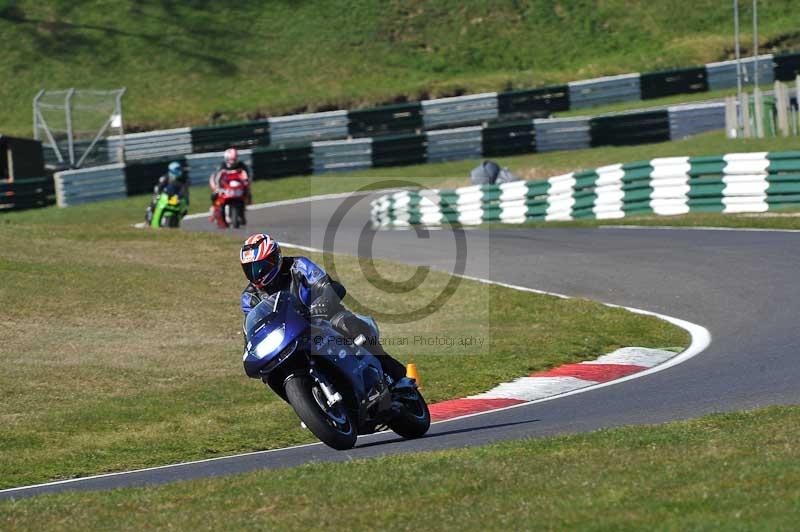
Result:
{"points": [[270, 343]]}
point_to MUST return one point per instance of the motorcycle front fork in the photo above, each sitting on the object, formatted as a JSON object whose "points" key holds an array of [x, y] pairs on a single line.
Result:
{"points": [[331, 395]]}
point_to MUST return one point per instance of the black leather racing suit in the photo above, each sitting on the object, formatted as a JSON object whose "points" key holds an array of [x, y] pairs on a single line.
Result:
{"points": [[323, 298]]}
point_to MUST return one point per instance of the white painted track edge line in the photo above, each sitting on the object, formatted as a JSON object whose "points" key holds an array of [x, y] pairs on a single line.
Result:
{"points": [[155, 468], [700, 228], [701, 339], [278, 203], [293, 201]]}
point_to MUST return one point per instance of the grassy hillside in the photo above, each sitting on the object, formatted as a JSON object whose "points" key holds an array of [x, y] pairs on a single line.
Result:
{"points": [[188, 63]]}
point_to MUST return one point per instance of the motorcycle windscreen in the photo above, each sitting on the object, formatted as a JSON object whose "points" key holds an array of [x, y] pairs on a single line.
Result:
{"points": [[277, 310]]}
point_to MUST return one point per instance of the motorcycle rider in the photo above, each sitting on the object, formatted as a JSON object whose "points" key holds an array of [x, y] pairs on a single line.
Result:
{"points": [[174, 176], [230, 162], [268, 272]]}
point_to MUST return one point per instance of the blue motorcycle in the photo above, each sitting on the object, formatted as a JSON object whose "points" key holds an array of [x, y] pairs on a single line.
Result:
{"points": [[336, 387]]}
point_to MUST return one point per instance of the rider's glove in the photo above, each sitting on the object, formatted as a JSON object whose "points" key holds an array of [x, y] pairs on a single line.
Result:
{"points": [[320, 308]]}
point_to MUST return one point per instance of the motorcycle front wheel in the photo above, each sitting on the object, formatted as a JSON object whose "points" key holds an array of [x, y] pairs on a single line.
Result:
{"points": [[331, 424], [414, 418]]}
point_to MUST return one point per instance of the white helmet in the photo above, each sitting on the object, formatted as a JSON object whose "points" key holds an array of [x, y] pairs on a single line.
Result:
{"points": [[231, 157]]}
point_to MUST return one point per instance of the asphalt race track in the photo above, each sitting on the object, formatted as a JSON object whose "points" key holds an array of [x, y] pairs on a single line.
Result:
{"points": [[741, 285]]}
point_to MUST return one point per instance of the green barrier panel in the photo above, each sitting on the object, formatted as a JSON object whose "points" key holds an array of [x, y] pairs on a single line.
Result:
{"points": [[219, 138], [278, 162], [398, 150]]}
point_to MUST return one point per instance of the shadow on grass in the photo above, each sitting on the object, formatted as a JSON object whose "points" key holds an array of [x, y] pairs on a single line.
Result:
{"points": [[57, 37]]}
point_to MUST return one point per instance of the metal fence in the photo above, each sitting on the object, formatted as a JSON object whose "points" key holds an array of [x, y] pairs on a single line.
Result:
{"points": [[331, 156], [74, 187], [298, 129], [688, 120], [603, 91], [150, 145], [562, 134], [722, 75], [454, 144], [459, 110]]}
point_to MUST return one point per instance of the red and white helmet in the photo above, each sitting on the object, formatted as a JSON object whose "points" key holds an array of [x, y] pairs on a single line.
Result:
{"points": [[231, 157]]}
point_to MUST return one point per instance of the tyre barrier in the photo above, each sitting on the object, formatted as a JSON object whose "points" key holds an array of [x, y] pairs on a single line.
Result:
{"points": [[730, 183]]}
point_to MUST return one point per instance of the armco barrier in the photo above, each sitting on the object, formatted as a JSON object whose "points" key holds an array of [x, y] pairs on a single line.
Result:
{"points": [[151, 145], [562, 134], [297, 129], [278, 162], [723, 75], [74, 187], [510, 138], [494, 140], [731, 183], [602, 91], [688, 120], [386, 120], [629, 128], [141, 176], [460, 110], [533, 103], [671, 82], [399, 150], [27, 193], [341, 155], [454, 144], [219, 138]]}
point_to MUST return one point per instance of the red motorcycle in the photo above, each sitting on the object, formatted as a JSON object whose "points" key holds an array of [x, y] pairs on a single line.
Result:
{"points": [[233, 193]]}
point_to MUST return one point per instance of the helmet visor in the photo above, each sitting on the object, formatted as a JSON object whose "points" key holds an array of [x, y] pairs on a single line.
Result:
{"points": [[262, 271]]}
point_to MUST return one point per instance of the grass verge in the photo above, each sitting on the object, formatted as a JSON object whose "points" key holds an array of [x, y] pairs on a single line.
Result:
{"points": [[726, 471], [190, 63], [122, 346]]}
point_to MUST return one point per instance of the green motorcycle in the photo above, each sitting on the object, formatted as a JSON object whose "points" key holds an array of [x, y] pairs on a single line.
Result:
{"points": [[170, 207]]}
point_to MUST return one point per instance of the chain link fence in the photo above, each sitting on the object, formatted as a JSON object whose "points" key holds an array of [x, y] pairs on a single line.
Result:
{"points": [[73, 125]]}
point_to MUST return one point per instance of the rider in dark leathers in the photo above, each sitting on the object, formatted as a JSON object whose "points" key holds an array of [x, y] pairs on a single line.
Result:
{"points": [[174, 176], [269, 272]]}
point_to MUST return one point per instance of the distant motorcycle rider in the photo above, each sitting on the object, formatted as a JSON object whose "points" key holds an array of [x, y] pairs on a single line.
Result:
{"points": [[230, 163], [174, 176], [268, 272]]}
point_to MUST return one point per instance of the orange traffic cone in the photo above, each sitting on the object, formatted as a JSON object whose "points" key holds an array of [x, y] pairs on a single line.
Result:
{"points": [[411, 373]]}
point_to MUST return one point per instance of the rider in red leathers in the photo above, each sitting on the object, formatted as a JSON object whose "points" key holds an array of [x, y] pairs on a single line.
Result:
{"points": [[231, 163]]}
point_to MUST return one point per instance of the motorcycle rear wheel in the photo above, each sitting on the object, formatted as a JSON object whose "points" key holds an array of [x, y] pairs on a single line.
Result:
{"points": [[414, 419], [332, 425]]}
